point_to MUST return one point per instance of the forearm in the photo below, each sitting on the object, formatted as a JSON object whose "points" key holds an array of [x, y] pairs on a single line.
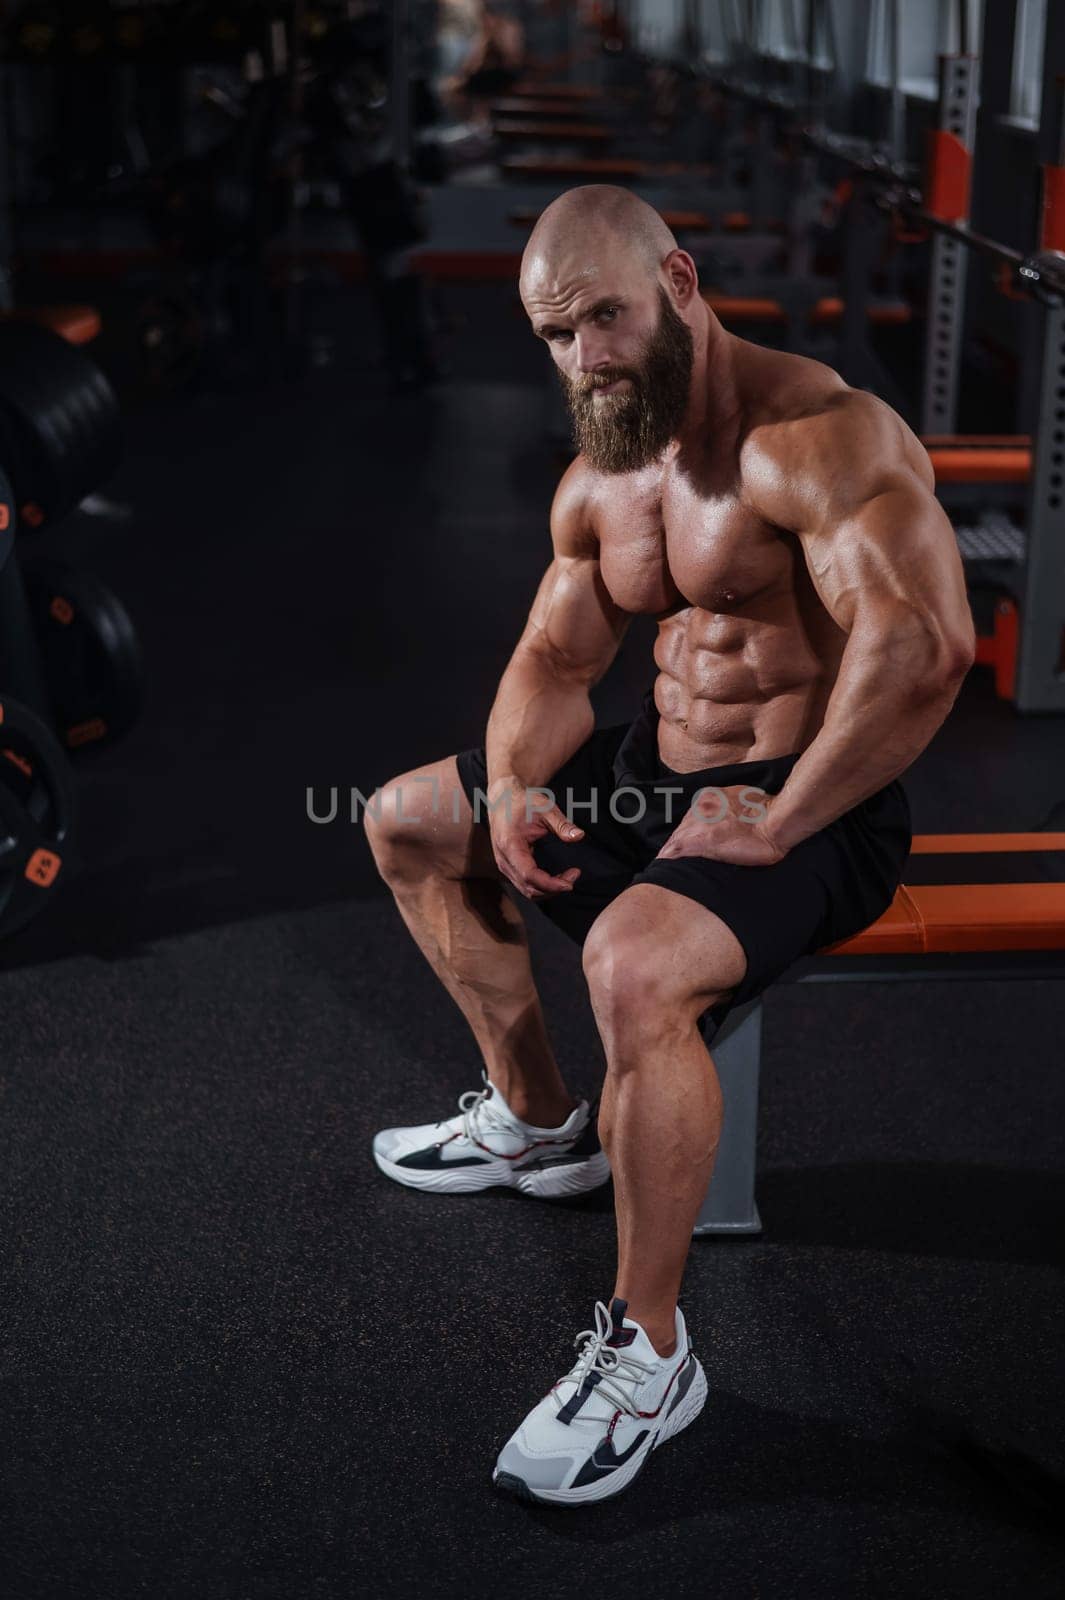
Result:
{"points": [[541, 716], [886, 706]]}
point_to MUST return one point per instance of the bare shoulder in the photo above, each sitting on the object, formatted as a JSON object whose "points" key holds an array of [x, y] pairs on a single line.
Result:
{"points": [[573, 523], [820, 441]]}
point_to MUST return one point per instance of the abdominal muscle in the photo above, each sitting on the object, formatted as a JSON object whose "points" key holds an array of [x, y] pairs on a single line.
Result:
{"points": [[731, 689]]}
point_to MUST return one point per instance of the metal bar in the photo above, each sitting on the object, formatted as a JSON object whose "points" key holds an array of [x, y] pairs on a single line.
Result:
{"points": [[818, 76], [863, 155], [964, 19], [980, 242], [898, 100], [1039, 275], [828, 32], [729, 1206], [946, 288], [1035, 273], [855, 357], [998, 44], [1051, 137], [943, 342], [1040, 684]]}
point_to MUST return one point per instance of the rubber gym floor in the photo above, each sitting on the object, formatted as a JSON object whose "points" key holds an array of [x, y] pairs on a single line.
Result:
{"points": [[238, 1362]]}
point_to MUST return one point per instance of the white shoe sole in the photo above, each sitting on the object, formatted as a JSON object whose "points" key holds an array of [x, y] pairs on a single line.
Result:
{"points": [[543, 1183], [606, 1488]]}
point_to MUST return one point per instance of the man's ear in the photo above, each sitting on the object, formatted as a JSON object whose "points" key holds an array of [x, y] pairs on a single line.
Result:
{"points": [[683, 275]]}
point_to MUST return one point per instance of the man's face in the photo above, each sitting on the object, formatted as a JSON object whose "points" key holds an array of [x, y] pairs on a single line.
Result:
{"points": [[626, 385]]}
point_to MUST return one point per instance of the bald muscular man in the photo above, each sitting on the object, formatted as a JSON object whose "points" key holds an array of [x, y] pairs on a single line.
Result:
{"points": [[813, 631]]}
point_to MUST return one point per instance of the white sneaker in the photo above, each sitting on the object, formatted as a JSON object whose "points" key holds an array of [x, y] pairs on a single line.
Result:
{"points": [[590, 1436], [486, 1146]]}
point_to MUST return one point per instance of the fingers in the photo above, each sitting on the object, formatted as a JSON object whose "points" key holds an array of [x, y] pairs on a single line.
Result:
{"points": [[541, 884], [560, 824], [689, 842], [531, 881], [537, 885], [516, 862]]}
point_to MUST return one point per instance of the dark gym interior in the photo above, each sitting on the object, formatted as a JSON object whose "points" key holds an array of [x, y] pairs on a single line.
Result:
{"points": [[277, 452]]}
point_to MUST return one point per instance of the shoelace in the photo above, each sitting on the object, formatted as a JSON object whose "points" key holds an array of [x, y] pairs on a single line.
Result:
{"points": [[478, 1116], [612, 1366]]}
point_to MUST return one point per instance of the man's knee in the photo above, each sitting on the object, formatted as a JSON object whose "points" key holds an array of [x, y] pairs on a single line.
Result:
{"points": [[638, 986], [422, 822], [399, 819]]}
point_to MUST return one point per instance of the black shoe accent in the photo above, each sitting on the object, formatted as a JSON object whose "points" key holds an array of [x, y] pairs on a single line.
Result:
{"points": [[621, 1336], [573, 1405], [431, 1161], [584, 1149], [684, 1383], [511, 1484], [604, 1460]]}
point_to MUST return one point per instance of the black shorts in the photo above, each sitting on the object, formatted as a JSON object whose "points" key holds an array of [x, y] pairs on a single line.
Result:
{"points": [[827, 888]]}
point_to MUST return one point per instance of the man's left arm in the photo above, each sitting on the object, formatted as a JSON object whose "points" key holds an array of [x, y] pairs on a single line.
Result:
{"points": [[856, 489]]}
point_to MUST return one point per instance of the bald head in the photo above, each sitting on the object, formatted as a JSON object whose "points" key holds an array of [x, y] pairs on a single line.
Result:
{"points": [[588, 226], [606, 288]]}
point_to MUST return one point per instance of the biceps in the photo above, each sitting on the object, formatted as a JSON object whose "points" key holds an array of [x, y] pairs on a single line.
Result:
{"points": [[574, 621]]}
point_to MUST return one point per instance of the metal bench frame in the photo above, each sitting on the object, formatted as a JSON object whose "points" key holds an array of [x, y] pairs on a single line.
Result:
{"points": [[730, 1207]]}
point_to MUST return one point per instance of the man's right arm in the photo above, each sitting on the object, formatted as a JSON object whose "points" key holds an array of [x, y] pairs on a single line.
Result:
{"points": [[543, 711]]}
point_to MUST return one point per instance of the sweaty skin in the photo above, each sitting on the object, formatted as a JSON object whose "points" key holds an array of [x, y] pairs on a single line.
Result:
{"points": [[806, 583], [809, 597]]}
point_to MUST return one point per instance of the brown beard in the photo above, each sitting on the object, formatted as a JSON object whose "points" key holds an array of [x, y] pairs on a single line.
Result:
{"points": [[626, 431]]}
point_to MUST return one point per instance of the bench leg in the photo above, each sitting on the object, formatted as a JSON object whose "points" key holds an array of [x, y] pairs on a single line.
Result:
{"points": [[729, 1206]]}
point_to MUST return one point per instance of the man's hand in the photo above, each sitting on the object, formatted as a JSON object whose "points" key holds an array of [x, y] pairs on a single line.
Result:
{"points": [[714, 828], [520, 818]]}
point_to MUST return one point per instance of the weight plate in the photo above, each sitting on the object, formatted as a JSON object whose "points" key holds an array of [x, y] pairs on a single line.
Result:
{"points": [[89, 648], [60, 430], [36, 814]]}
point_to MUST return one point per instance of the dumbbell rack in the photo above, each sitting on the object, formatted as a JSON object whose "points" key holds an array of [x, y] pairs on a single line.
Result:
{"points": [[36, 783]]}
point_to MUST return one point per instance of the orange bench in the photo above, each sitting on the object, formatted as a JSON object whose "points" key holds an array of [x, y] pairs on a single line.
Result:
{"points": [[928, 929], [955, 917], [76, 324]]}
